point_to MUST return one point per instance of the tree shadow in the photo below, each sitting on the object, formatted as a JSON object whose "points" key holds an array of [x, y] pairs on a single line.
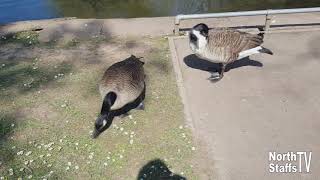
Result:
{"points": [[8, 152], [28, 78], [194, 62], [7, 126], [157, 170]]}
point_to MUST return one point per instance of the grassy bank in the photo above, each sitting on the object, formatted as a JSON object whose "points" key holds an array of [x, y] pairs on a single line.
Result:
{"points": [[49, 102]]}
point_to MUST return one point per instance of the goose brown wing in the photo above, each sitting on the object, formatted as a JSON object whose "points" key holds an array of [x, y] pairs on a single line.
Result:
{"points": [[233, 40], [124, 77]]}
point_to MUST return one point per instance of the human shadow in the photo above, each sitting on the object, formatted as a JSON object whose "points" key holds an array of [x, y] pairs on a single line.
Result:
{"points": [[157, 170], [194, 62], [8, 123]]}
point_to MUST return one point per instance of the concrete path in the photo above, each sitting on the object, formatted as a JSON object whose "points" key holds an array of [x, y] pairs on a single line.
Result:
{"points": [[265, 103]]}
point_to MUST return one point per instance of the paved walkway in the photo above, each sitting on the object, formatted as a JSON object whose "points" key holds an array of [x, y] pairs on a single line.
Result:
{"points": [[265, 103]]}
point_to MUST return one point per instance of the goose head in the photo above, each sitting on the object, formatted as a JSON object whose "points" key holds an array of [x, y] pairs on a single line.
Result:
{"points": [[135, 59], [198, 36], [106, 116]]}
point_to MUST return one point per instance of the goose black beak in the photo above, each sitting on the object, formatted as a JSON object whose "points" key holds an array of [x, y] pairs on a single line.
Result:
{"points": [[95, 134]]}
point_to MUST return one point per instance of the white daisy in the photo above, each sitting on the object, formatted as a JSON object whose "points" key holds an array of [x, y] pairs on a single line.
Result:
{"points": [[20, 153], [10, 171]]}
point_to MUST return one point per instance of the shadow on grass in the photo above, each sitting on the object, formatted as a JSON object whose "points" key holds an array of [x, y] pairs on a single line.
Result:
{"points": [[157, 170], [8, 154], [194, 62], [26, 77], [7, 125], [26, 38]]}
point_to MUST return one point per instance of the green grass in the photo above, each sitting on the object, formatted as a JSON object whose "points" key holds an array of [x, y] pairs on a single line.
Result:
{"points": [[48, 107], [27, 38]]}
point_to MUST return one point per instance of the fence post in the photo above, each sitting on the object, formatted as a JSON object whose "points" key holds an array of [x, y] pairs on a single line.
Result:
{"points": [[176, 26], [268, 21]]}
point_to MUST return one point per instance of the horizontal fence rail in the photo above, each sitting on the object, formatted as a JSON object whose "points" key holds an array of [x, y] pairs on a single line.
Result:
{"points": [[267, 13]]}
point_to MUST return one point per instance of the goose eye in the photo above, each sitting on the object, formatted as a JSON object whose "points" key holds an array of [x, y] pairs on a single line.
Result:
{"points": [[204, 33], [193, 37]]}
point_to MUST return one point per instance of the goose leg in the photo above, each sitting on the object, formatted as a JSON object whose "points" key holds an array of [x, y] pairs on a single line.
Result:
{"points": [[216, 76], [223, 67], [140, 106]]}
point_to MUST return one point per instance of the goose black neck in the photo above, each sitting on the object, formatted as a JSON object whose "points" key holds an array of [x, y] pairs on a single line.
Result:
{"points": [[108, 101]]}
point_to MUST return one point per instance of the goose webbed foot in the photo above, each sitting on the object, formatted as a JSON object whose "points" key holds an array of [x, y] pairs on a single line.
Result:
{"points": [[140, 106], [215, 76]]}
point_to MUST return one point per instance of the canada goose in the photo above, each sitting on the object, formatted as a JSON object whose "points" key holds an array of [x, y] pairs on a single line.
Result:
{"points": [[224, 45], [122, 88]]}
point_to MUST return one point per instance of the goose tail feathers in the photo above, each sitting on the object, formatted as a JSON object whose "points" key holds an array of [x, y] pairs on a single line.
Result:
{"points": [[266, 51]]}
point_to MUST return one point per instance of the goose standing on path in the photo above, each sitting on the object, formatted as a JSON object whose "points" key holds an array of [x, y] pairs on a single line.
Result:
{"points": [[122, 88], [224, 45]]}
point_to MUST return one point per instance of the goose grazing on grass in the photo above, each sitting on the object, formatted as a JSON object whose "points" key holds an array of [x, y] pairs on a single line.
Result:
{"points": [[122, 88], [224, 45]]}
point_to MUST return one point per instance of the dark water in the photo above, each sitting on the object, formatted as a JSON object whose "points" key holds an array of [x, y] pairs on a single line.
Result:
{"points": [[17, 10]]}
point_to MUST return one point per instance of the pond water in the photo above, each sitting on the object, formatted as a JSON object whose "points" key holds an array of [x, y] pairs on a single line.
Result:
{"points": [[18, 10]]}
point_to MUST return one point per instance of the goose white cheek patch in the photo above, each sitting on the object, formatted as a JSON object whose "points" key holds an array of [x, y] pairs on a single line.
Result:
{"points": [[104, 122], [202, 41]]}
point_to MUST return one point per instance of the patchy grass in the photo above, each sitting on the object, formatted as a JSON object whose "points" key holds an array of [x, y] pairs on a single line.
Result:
{"points": [[49, 102], [27, 38]]}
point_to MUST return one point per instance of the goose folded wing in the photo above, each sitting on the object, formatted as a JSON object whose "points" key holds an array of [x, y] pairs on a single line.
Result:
{"points": [[234, 40]]}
